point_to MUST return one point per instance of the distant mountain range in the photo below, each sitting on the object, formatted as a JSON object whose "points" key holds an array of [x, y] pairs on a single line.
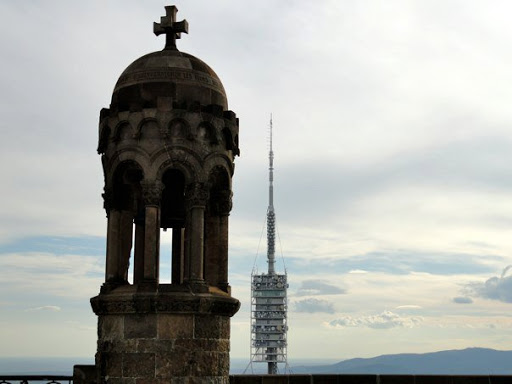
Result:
{"points": [[471, 361]]}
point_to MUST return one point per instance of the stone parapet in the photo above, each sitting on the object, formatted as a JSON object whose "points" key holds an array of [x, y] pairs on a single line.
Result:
{"points": [[368, 379], [80, 378]]}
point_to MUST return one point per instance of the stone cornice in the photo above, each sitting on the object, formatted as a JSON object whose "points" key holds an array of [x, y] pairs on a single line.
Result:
{"points": [[164, 302]]}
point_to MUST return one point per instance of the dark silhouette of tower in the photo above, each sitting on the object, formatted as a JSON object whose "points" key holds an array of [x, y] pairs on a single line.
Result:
{"points": [[167, 146]]}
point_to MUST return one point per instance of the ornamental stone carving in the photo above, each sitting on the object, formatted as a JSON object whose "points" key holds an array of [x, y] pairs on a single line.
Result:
{"points": [[152, 192], [196, 195], [107, 199], [221, 202]]}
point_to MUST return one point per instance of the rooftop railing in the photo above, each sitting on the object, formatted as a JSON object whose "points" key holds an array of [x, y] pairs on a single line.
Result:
{"points": [[25, 379]]}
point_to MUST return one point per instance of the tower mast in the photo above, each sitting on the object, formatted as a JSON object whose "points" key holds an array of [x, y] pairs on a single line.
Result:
{"points": [[268, 296], [271, 216]]}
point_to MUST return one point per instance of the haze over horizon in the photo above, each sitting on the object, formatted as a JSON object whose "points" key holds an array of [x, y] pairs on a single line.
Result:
{"points": [[392, 140]]}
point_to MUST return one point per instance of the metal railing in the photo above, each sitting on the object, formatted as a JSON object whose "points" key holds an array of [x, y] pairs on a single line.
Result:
{"points": [[27, 379]]}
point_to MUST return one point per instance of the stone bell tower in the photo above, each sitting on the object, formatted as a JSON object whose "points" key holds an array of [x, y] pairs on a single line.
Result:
{"points": [[167, 146]]}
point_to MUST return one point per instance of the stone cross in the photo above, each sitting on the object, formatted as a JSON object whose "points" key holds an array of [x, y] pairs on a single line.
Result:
{"points": [[170, 27]]}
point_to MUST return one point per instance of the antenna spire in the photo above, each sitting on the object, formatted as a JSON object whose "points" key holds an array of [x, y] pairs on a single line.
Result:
{"points": [[271, 216], [269, 303]]}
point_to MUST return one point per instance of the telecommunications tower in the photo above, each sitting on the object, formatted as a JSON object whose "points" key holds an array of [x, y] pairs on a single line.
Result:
{"points": [[268, 297]]}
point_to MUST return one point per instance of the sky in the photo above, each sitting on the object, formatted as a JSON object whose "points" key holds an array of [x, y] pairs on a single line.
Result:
{"points": [[393, 166]]}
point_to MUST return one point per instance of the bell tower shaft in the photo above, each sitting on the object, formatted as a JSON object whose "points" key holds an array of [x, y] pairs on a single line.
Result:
{"points": [[168, 143]]}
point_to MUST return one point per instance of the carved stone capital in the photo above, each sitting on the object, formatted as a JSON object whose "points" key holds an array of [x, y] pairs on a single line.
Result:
{"points": [[196, 195], [221, 202], [108, 199], [152, 192]]}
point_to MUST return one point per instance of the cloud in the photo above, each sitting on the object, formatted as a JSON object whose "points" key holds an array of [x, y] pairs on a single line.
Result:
{"points": [[51, 308], [495, 288], [384, 320], [318, 287], [313, 306], [462, 300], [409, 306], [41, 273], [391, 261]]}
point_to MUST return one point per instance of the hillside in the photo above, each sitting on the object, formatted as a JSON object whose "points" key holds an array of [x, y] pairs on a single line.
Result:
{"points": [[471, 361]]}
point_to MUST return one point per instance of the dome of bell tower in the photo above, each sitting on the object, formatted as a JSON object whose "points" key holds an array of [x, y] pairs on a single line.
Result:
{"points": [[168, 77]]}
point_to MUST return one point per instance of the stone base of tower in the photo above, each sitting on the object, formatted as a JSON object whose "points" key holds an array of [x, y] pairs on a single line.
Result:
{"points": [[163, 337]]}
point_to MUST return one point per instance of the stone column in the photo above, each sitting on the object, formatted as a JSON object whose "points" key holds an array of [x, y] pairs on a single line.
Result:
{"points": [[225, 205], [216, 244], [211, 247], [112, 264], [125, 243], [119, 241], [138, 254], [152, 192], [178, 237], [196, 197]]}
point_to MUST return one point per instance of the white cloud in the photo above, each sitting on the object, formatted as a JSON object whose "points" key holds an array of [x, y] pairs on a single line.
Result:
{"points": [[462, 300], [495, 288], [318, 287], [313, 305], [384, 320], [51, 308], [64, 275]]}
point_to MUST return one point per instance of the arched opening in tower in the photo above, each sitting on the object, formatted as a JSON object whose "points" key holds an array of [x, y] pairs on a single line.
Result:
{"points": [[216, 229], [173, 218], [127, 209]]}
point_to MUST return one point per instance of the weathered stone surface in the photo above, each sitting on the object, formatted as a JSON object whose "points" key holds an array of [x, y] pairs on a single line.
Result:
{"points": [[368, 379], [245, 379], [500, 379], [276, 379], [168, 145], [175, 326], [429, 379], [172, 300], [302, 379], [140, 326], [158, 347], [322, 379], [147, 381], [214, 327], [177, 364], [118, 346], [190, 363], [223, 361], [117, 380], [205, 364], [110, 327], [397, 379], [84, 374], [139, 365], [111, 364], [215, 345]]}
